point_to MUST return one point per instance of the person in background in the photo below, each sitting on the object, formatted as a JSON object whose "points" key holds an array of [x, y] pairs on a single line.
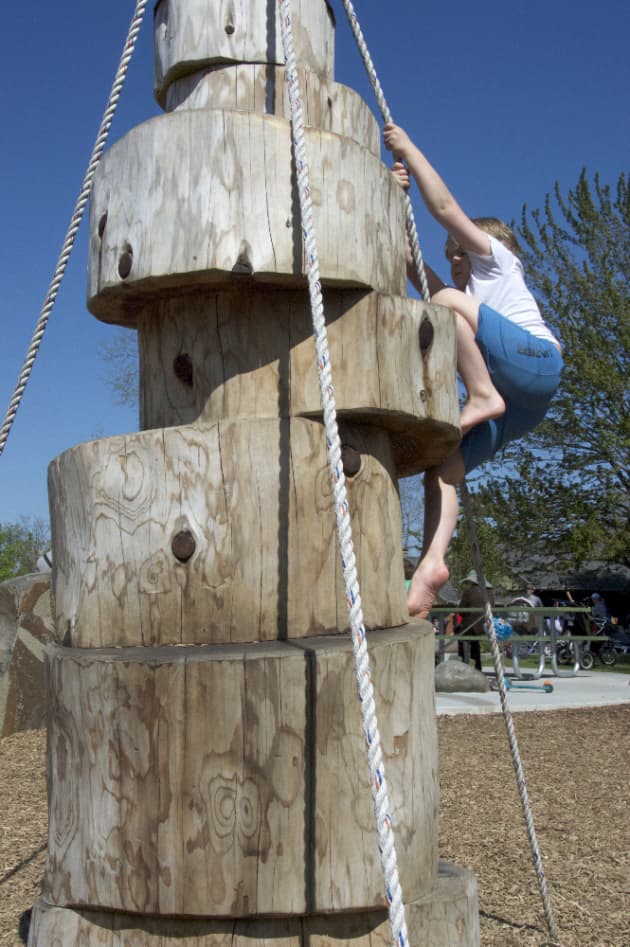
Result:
{"points": [[472, 622], [536, 623], [532, 598], [600, 609]]}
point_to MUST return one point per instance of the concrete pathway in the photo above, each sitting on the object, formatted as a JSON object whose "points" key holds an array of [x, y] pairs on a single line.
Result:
{"points": [[588, 689]]}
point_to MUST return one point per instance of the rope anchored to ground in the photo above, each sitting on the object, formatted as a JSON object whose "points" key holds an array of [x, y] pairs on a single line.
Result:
{"points": [[378, 781], [488, 618]]}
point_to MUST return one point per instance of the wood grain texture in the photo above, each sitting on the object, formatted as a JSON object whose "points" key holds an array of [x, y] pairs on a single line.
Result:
{"points": [[177, 780], [26, 627], [256, 497], [253, 87], [345, 860], [185, 198], [233, 781], [190, 33], [252, 355], [206, 757], [447, 916]]}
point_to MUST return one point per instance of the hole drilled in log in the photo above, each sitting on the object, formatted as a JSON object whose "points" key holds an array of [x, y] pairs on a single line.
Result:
{"points": [[183, 368], [425, 333], [125, 262], [351, 460], [102, 224]]}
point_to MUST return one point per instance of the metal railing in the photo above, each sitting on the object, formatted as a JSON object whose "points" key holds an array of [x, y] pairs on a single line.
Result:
{"points": [[548, 640]]}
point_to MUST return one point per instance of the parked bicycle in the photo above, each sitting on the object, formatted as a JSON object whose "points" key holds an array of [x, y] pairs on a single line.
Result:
{"points": [[583, 624]]}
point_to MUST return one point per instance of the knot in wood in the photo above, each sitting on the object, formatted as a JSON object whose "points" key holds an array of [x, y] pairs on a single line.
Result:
{"points": [[183, 368], [183, 545], [425, 334], [351, 460]]}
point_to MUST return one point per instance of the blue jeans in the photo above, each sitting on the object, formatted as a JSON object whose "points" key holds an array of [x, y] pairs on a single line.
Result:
{"points": [[525, 370]]}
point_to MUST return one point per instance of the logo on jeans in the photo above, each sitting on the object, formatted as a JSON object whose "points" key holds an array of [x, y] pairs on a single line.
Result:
{"points": [[532, 352]]}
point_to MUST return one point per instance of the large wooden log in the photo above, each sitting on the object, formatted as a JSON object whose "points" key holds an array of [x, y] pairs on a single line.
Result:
{"points": [[26, 628], [207, 774], [241, 354], [165, 217], [254, 87], [233, 781], [193, 33], [446, 916], [219, 532]]}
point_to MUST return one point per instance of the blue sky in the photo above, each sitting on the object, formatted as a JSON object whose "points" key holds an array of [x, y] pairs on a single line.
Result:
{"points": [[505, 99]]}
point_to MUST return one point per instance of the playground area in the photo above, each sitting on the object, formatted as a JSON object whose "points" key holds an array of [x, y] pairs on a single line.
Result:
{"points": [[585, 689], [206, 778], [577, 763]]}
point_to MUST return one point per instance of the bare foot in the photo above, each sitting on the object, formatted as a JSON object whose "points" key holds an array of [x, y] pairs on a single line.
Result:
{"points": [[426, 582], [477, 410]]}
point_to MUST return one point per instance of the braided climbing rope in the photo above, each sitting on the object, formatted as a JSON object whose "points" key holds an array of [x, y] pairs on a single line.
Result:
{"points": [[344, 528], [410, 220], [507, 715], [75, 222], [476, 556]]}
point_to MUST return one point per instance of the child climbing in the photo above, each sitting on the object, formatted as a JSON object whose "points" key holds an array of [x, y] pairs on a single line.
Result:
{"points": [[507, 358]]}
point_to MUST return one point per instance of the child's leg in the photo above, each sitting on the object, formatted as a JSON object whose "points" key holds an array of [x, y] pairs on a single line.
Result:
{"points": [[484, 401], [441, 508]]}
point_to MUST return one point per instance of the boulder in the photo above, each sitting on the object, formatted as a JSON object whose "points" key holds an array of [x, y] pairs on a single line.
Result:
{"points": [[454, 676]]}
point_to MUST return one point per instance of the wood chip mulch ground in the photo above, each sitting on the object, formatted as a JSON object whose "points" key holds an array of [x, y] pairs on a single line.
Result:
{"points": [[577, 766]]}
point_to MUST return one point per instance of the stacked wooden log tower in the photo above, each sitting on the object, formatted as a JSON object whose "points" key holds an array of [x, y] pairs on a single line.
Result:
{"points": [[208, 778]]}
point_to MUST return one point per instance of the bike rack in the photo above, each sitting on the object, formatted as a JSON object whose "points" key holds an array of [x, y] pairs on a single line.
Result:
{"points": [[551, 639]]}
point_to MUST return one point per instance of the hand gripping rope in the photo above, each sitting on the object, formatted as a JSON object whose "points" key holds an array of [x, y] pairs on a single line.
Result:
{"points": [[410, 220], [476, 555], [344, 529], [75, 222]]}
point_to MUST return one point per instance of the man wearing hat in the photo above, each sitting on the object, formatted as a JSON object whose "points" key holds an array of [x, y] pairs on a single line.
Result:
{"points": [[472, 622]]}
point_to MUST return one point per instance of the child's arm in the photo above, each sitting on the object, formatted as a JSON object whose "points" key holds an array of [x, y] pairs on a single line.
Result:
{"points": [[434, 283], [439, 201]]}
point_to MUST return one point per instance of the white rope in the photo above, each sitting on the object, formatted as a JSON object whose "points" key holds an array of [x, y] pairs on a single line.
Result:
{"points": [[344, 528], [410, 220], [507, 714], [476, 555], [75, 222]]}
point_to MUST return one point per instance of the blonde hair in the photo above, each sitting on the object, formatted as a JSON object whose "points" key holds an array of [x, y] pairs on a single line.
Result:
{"points": [[496, 228]]}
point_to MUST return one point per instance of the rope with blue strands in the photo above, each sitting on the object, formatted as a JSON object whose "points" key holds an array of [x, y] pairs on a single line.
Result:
{"points": [[476, 555], [344, 529], [75, 222]]}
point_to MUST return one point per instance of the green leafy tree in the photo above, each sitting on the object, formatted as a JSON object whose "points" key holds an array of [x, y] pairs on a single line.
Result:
{"points": [[21, 544], [563, 493], [496, 569], [460, 561]]}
